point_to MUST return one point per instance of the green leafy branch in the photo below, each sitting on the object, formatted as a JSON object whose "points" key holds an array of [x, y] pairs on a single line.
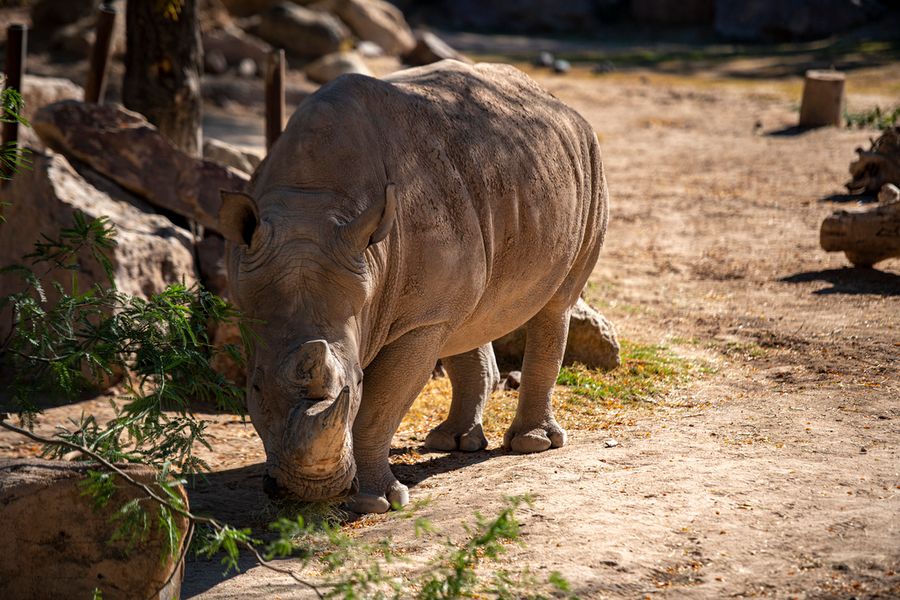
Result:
{"points": [[158, 347]]}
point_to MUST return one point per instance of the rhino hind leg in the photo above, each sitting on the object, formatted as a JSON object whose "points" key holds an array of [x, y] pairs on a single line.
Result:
{"points": [[390, 385], [473, 375], [534, 429]]}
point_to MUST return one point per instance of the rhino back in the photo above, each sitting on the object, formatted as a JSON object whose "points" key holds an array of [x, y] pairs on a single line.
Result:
{"points": [[500, 188]]}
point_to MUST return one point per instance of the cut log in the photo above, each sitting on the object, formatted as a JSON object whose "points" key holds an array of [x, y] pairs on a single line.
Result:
{"points": [[878, 165], [865, 236], [823, 99]]}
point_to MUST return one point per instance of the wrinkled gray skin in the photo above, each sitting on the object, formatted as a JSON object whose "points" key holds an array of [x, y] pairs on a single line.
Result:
{"points": [[396, 222]]}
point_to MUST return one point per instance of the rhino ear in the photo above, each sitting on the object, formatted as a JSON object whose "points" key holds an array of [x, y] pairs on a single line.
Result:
{"points": [[238, 217], [375, 222]]}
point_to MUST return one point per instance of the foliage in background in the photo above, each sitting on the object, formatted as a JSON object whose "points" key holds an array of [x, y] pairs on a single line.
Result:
{"points": [[12, 157], [65, 340], [874, 118]]}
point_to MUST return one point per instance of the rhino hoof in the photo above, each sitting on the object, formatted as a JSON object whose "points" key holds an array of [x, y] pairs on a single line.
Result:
{"points": [[397, 496], [537, 439], [472, 440]]}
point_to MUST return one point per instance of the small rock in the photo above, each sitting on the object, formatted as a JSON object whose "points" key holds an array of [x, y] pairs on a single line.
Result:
{"points": [[561, 66], [610, 443], [607, 66], [889, 194], [214, 62], [369, 49], [863, 450], [247, 68], [513, 380], [229, 155], [544, 59], [334, 65]]}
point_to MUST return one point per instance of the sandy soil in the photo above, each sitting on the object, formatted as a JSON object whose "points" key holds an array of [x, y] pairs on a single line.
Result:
{"points": [[777, 473]]}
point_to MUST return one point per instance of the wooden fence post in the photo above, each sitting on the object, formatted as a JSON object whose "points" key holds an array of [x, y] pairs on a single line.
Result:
{"points": [[95, 87], [16, 50], [274, 96]]}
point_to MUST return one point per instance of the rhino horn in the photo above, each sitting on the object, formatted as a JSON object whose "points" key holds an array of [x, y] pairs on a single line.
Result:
{"points": [[317, 435]]}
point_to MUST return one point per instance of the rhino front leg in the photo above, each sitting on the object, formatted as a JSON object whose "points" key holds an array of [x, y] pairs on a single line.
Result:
{"points": [[474, 375], [390, 385], [534, 429]]}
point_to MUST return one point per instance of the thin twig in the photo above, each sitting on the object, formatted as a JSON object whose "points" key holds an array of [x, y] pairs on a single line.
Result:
{"points": [[160, 500]]}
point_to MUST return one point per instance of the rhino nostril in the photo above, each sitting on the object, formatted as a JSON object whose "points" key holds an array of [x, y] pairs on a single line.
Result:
{"points": [[271, 487]]}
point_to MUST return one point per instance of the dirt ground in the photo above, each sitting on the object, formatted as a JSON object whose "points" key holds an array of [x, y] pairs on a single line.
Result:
{"points": [[775, 472]]}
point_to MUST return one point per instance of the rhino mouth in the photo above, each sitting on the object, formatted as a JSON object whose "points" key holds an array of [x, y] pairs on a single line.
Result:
{"points": [[336, 484]]}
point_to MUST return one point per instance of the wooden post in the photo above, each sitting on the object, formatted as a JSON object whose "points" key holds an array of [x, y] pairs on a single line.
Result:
{"points": [[274, 96], [823, 99], [95, 87], [16, 50]]}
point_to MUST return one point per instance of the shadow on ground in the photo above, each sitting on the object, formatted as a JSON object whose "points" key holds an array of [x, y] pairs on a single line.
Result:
{"points": [[413, 475], [850, 281]]}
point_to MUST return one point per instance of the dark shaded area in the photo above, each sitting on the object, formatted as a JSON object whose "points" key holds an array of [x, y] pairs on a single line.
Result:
{"points": [[852, 281], [846, 198], [790, 131], [412, 475]]}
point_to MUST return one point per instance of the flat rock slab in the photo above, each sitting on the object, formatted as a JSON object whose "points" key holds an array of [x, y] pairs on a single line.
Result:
{"points": [[126, 148], [56, 544]]}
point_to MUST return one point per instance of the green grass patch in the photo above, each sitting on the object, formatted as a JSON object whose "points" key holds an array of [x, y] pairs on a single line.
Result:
{"points": [[646, 371], [874, 118]]}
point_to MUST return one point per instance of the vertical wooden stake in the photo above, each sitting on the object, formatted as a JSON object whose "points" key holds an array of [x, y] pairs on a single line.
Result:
{"points": [[16, 50], [274, 96], [95, 87], [823, 99]]}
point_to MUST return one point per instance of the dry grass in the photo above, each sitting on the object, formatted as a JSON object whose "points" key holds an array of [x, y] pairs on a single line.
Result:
{"points": [[584, 400]]}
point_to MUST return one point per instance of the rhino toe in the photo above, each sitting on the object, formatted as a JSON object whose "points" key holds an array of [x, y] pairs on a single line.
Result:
{"points": [[526, 440], [445, 439]]}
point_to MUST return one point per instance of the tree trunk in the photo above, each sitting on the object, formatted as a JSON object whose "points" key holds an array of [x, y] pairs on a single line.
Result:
{"points": [[162, 68], [866, 236]]}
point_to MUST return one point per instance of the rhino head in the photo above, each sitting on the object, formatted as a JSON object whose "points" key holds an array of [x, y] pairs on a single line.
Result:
{"points": [[298, 269]]}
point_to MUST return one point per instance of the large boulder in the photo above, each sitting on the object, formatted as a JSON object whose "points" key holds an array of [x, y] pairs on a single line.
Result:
{"points": [[123, 146], [592, 342], [47, 15], [375, 21], [429, 49], [759, 20], [234, 45], [334, 65], [151, 252], [38, 92], [57, 544], [300, 31], [521, 16]]}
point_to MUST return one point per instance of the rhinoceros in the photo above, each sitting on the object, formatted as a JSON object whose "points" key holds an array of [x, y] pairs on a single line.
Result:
{"points": [[395, 222]]}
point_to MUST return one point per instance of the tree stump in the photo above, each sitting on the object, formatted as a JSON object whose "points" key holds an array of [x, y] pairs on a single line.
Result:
{"points": [[162, 69], [823, 99], [878, 165], [865, 236], [55, 544]]}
